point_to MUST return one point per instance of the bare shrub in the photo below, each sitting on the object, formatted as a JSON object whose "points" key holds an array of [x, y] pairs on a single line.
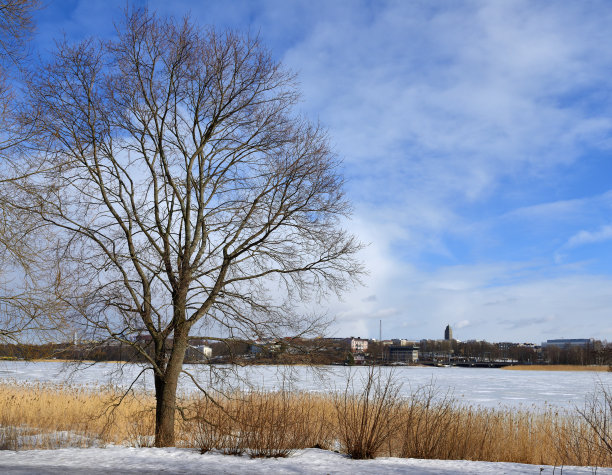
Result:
{"points": [[573, 442], [426, 422], [262, 424], [218, 425], [368, 419], [372, 421], [140, 428], [597, 415], [9, 438], [275, 426]]}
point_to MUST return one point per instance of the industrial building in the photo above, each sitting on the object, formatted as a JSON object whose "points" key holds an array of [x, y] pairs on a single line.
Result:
{"points": [[568, 342]]}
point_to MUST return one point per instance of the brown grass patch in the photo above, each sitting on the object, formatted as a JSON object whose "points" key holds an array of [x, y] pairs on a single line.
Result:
{"points": [[265, 424], [48, 415], [559, 367], [262, 424]]}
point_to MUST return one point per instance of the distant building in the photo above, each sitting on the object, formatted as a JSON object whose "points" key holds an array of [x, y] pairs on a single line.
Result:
{"points": [[197, 347], [359, 345], [448, 333], [564, 342], [269, 345], [402, 354], [198, 352], [402, 342]]}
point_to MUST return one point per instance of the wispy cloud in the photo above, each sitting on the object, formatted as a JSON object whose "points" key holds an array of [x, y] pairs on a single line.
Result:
{"points": [[526, 322], [472, 135], [590, 237]]}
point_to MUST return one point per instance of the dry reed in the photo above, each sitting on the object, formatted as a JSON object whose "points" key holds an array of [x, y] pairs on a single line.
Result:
{"points": [[425, 425], [557, 367], [368, 419], [51, 416], [272, 424]]}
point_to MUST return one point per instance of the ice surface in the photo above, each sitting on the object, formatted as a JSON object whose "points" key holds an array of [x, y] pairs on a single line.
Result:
{"points": [[487, 387]]}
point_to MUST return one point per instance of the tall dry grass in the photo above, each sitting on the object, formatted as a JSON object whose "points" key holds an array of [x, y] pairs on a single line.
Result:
{"points": [[52, 416], [365, 423], [557, 367], [262, 424], [366, 420]]}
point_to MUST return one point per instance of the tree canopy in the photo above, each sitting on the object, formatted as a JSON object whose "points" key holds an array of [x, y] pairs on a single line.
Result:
{"points": [[186, 192]]}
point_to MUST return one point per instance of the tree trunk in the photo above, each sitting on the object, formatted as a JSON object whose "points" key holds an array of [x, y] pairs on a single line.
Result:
{"points": [[165, 394]]}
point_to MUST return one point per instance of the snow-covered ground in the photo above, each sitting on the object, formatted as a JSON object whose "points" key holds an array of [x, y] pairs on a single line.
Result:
{"points": [[119, 460], [487, 387]]}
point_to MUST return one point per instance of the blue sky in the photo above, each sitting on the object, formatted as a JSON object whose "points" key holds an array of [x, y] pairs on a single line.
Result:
{"points": [[477, 145]]}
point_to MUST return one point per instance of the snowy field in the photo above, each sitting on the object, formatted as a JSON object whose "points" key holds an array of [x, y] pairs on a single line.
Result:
{"points": [[119, 460], [486, 387]]}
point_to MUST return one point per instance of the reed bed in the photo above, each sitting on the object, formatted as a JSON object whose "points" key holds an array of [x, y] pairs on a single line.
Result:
{"points": [[52, 416], [558, 367], [367, 423]]}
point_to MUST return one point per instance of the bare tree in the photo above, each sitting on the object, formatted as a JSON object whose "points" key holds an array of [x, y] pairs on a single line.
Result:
{"points": [[27, 302], [16, 28], [188, 192]]}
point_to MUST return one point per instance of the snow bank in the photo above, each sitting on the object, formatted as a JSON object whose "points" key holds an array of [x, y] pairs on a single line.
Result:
{"points": [[310, 461]]}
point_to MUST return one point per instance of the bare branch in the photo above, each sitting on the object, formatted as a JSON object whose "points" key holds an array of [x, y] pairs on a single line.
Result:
{"points": [[186, 189]]}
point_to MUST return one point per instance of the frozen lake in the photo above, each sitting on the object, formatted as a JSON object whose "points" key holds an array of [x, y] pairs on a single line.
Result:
{"points": [[487, 387]]}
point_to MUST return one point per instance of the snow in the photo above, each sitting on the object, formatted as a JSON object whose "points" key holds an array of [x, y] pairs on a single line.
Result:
{"points": [[486, 387], [310, 461]]}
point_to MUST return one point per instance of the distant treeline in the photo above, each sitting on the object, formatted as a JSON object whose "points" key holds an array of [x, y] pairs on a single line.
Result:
{"points": [[597, 353], [322, 351], [284, 351]]}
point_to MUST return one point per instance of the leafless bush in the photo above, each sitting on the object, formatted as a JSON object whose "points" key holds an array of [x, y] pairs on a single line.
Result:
{"points": [[218, 426], [426, 423], [597, 415], [9, 438], [275, 427], [140, 428], [364, 422], [368, 419], [260, 424], [573, 441]]}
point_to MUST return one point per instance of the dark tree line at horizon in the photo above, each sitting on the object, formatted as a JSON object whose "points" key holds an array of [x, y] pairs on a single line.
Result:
{"points": [[599, 353], [320, 351]]}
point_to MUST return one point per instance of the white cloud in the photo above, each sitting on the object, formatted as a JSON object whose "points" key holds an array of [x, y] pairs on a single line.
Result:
{"points": [[500, 302], [439, 107], [451, 112], [590, 237], [563, 209]]}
